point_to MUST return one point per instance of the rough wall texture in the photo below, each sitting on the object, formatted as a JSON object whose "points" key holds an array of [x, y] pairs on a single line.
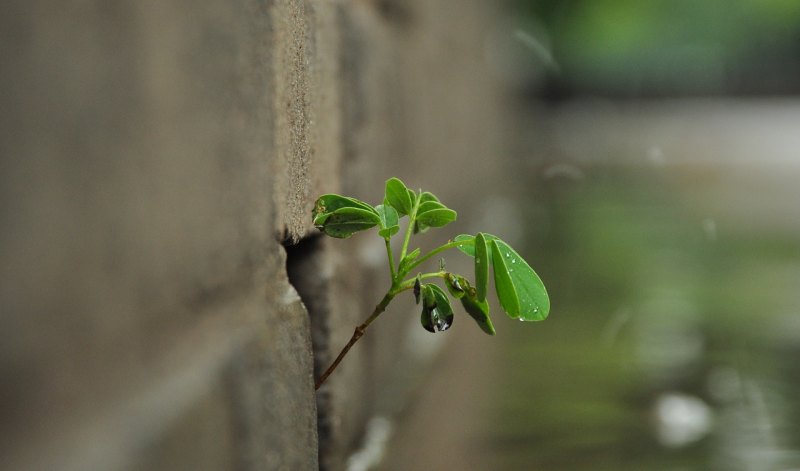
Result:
{"points": [[156, 156]]}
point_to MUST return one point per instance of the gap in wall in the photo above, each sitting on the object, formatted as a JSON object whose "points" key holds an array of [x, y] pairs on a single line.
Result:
{"points": [[306, 269]]}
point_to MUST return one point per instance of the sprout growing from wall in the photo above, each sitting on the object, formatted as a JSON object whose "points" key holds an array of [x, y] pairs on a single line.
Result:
{"points": [[519, 289]]}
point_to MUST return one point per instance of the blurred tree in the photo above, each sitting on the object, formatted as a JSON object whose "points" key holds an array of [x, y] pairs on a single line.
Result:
{"points": [[667, 47]]}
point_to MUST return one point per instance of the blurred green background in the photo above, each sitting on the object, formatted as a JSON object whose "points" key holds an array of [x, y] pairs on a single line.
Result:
{"points": [[658, 47], [673, 344]]}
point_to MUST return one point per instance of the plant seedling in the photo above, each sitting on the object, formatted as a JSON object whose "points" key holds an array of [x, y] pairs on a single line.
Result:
{"points": [[521, 293]]}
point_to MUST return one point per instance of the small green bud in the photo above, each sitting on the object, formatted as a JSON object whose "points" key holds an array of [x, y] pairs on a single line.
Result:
{"points": [[456, 284]]}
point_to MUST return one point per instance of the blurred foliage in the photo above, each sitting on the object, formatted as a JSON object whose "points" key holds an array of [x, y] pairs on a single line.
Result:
{"points": [[635, 280], [669, 46]]}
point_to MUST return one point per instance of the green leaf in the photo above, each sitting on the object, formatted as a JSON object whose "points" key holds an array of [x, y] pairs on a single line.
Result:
{"points": [[442, 303], [468, 245], [388, 233], [388, 220], [340, 216], [436, 217], [437, 313], [412, 196], [358, 214], [478, 310], [329, 203], [521, 292], [427, 196], [399, 196], [432, 213], [346, 221], [481, 267], [426, 206]]}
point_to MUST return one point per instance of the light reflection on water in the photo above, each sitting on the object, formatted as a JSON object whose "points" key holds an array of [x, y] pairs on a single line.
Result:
{"points": [[672, 343]]}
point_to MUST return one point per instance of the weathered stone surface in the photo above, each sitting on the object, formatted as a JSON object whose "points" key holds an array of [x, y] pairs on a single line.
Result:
{"points": [[145, 315], [421, 103], [155, 156]]}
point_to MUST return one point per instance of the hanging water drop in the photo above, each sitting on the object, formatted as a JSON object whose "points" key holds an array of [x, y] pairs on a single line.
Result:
{"points": [[440, 324]]}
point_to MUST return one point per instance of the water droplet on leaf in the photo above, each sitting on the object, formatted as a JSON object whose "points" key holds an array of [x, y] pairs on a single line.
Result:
{"points": [[440, 324]]}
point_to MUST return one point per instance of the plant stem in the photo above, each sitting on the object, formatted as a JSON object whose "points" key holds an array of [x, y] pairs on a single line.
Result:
{"points": [[411, 220], [435, 251], [356, 335], [391, 259], [408, 284], [380, 308]]}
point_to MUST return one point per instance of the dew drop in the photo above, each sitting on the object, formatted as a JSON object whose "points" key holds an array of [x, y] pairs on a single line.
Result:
{"points": [[440, 324], [514, 261]]}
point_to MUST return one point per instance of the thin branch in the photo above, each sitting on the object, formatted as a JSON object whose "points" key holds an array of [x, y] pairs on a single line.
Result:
{"points": [[411, 220], [356, 335], [435, 251], [391, 259], [408, 284]]}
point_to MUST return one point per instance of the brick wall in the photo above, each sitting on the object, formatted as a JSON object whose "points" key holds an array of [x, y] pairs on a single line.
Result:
{"points": [[157, 156]]}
